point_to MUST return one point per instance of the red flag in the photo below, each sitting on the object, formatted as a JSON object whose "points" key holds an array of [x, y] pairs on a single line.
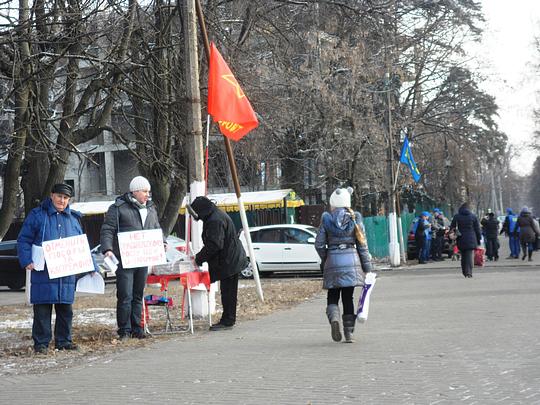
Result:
{"points": [[227, 103]]}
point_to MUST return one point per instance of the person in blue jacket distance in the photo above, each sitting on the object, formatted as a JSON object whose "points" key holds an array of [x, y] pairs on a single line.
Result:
{"points": [[511, 229], [52, 219]]}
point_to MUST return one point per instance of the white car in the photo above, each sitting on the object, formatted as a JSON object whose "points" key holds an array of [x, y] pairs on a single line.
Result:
{"points": [[286, 247]]}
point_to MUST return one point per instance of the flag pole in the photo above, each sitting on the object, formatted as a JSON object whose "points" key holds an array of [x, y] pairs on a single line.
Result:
{"points": [[208, 123], [232, 165]]}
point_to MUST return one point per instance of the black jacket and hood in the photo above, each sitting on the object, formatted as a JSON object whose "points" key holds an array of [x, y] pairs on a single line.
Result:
{"points": [[222, 249]]}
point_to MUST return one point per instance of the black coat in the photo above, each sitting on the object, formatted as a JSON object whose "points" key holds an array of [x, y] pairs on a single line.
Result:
{"points": [[491, 227], [124, 216], [222, 249], [469, 229]]}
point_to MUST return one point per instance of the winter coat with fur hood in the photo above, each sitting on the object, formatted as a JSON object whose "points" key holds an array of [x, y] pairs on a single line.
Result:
{"points": [[528, 229], [344, 259]]}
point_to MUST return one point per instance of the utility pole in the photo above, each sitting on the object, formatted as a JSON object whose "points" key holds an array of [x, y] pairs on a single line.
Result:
{"points": [[194, 119], [393, 246], [494, 201], [501, 206], [197, 186]]}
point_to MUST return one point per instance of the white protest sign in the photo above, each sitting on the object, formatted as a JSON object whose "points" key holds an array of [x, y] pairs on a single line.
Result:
{"points": [[141, 248], [67, 256]]}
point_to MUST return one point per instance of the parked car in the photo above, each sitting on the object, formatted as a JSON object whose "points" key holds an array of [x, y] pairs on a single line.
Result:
{"points": [[175, 245], [282, 248], [11, 273], [411, 243]]}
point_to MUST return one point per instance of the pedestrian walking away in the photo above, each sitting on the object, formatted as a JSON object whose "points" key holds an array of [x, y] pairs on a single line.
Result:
{"points": [[342, 247], [133, 211], [490, 227], [53, 219], [466, 227], [528, 232], [224, 254], [510, 228]]}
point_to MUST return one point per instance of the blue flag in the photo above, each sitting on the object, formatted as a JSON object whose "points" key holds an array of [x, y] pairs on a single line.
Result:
{"points": [[407, 158]]}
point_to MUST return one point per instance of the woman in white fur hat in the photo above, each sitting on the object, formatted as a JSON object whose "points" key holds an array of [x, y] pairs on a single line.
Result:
{"points": [[341, 244]]}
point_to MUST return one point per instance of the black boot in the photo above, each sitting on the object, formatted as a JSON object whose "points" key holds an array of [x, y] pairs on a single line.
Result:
{"points": [[530, 255], [332, 312], [348, 327]]}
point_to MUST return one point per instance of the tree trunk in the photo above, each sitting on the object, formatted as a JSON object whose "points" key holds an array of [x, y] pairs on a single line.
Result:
{"points": [[22, 100]]}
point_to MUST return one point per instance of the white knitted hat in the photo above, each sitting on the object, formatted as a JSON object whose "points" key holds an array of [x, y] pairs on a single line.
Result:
{"points": [[341, 198], [139, 183]]}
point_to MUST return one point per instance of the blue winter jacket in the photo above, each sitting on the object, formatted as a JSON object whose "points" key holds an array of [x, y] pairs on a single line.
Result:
{"points": [[343, 258], [46, 223]]}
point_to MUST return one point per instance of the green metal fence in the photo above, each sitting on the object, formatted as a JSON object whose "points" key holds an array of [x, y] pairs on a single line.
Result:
{"points": [[378, 236]]}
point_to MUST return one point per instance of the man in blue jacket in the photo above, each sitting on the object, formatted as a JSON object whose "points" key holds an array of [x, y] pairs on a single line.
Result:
{"points": [[511, 229], [52, 220]]}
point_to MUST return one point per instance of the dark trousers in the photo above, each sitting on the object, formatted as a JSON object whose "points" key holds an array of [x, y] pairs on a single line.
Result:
{"points": [[346, 298], [438, 243], [492, 248], [229, 295], [419, 248], [130, 285], [467, 262], [527, 247], [41, 327]]}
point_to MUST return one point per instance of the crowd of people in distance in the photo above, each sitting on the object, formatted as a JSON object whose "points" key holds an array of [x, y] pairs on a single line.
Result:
{"points": [[466, 234]]}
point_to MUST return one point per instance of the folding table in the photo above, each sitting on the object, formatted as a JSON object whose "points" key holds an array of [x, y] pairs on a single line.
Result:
{"points": [[188, 280]]}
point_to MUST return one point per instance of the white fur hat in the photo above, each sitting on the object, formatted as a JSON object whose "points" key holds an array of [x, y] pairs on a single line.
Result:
{"points": [[139, 183], [341, 198]]}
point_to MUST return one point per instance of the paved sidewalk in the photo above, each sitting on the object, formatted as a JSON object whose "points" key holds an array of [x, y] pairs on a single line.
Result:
{"points": [[432, 337]]}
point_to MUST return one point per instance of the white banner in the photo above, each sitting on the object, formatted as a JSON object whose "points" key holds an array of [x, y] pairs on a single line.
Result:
{"points": [[68, 256], [141, 248]]}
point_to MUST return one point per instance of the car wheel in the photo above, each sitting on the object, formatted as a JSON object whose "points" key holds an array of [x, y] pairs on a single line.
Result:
{"points": [[411, 255], [17, 284], [247, 272]]}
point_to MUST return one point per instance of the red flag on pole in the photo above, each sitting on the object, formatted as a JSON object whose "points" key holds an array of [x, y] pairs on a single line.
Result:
{"points": [[227, 103]]}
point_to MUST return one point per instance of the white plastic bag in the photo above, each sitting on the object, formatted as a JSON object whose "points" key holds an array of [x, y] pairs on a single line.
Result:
{"points": [[363, 302]]}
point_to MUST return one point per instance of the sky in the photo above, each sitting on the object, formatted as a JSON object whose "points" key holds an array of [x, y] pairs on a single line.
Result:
{"points": [[506, 56]]}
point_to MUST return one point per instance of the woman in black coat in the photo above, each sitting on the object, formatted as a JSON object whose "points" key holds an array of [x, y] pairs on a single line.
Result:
{"points": [[224, 254], [467, 227]]}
